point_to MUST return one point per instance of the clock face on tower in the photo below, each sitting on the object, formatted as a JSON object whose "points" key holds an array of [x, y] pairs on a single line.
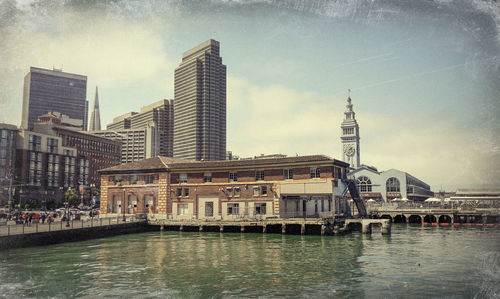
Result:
{"points": [[349, 150]]}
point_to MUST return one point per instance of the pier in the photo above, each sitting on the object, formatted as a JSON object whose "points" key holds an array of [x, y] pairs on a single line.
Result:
{"points": [[298, 226], [488, 217]]}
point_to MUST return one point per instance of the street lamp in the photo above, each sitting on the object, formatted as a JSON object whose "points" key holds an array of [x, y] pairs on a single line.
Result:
{"points": [[123, 206], [66, 211]]}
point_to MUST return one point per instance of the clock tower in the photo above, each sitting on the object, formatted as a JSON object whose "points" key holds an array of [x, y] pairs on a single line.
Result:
{"points": [[350, 136]]}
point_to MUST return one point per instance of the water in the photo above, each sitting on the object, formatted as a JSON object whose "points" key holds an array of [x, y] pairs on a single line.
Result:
{"points": [[412, 262]]}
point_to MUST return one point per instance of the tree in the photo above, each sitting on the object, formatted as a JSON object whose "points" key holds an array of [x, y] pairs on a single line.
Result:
{"points": [[71, 197]]}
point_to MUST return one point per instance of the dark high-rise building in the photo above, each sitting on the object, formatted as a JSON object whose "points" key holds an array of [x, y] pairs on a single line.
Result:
{"points": [[8, 134], [95, 117], [53, 90], [200, 104]]}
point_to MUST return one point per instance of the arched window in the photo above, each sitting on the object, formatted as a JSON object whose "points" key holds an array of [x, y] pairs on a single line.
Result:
{"points": [[392, 185], [364, 183]]}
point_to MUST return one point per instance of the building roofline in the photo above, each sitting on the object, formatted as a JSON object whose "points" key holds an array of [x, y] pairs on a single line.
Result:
{"points": [[173, 164], [57, 73]]}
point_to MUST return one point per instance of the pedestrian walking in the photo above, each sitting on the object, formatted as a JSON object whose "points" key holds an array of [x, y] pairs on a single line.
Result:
{"points": [[43, 218]]}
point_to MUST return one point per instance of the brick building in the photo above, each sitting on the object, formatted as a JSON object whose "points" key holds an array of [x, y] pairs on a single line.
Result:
{"points": [[172, 188], [52, 158]]}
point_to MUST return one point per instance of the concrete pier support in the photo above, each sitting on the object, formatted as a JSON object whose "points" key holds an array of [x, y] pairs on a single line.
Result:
{"points": [[201, 228], [323, 230], [181, 228], [336, 230], [366, 227], [221, 228], [283, 228], [242, 229], [302, 229], [162, 227], [264, 229], [386, 228]]}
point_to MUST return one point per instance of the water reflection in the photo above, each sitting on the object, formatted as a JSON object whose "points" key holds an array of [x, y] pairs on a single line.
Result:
{"points": [[181, 264]]}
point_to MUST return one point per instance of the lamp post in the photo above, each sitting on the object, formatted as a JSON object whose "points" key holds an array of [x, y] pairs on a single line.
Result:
{"points": [[66, 211], [20, 197], [10, 197], [123, 206]]}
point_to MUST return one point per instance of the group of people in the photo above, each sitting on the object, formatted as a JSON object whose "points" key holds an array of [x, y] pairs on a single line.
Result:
{"points": [[29, 218]]}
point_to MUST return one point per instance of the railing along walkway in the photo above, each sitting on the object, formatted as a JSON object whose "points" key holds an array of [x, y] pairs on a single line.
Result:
{"points": [[87, 222]]}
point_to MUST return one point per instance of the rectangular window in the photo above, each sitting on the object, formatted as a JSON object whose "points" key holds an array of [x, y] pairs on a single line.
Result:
{"points": [[207, 177], [186, 192], [34, 143], [263, 190], [233, 177], [287, 174], [315, 172], [183, 178], [255, 191], [229, 191], [260, 208], [179, 192], [209, 209], [233, 209], [182, 209], [133, 179], [52, 144], [237, 191], [149, 179], [259, 175], [337, 172]]}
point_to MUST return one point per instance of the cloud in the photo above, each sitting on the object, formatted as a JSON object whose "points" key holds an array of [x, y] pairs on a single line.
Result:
{"points": [[113, 52], [277, 119], [431, 148]]}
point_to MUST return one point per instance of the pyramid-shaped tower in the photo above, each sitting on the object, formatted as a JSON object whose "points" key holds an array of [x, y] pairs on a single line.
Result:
{"points": [[95, 118]]}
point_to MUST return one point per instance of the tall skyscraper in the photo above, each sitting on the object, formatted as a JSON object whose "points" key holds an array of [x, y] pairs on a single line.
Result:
{"points": [[200, 104], [53, 90], [350, 136], [95, 117]]}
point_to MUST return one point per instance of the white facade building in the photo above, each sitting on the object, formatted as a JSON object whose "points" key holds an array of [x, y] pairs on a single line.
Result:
{"points": [[389, 184]]}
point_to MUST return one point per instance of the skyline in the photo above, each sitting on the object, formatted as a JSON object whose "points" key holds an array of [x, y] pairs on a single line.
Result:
{"points": [[424, 77]]}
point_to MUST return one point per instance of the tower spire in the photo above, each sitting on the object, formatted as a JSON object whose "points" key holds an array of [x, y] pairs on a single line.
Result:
{"points": [[350, 135], [95, 118]]}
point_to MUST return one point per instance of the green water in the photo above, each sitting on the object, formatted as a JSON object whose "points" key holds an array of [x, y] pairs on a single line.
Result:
{"points": [[412, 262]]}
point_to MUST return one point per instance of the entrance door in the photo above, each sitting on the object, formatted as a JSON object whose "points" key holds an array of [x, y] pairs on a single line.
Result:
{"points": [[117, 208], [132, 207], [148, 202], [208, 207]]}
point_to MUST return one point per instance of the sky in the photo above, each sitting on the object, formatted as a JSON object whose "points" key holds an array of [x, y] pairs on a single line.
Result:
{"points": [[424, 75]]}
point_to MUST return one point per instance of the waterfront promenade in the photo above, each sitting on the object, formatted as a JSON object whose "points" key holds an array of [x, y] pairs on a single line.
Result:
{"points": [[11, 228]]}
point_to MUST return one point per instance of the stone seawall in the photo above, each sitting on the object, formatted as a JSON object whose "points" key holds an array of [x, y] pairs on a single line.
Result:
{"points": [[72, 235]]}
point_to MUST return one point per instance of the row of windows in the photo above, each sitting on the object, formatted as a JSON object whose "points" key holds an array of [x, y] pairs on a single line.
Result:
{"points": [[232, 209], [133, 179], [365, 184], [314, 172], [7, 138], [348, 131]]}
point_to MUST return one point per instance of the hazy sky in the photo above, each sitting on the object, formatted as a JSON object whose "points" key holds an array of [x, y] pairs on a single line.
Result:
{"points": [[425, 75]]}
